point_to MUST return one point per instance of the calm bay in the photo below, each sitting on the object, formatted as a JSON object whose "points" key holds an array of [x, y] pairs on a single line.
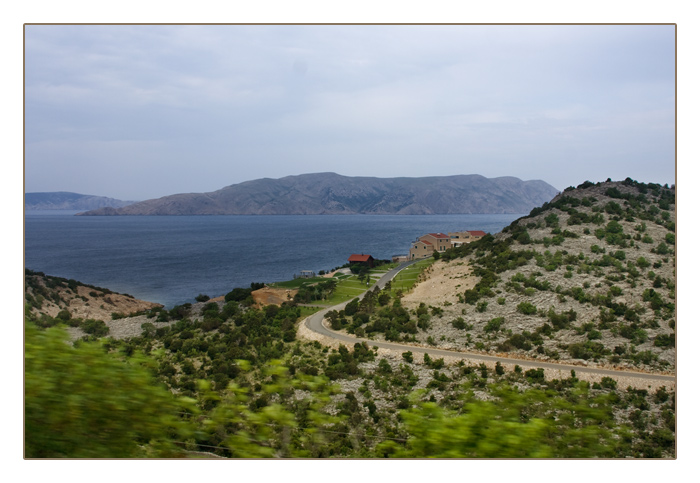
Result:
{"points": [[171, 259]]}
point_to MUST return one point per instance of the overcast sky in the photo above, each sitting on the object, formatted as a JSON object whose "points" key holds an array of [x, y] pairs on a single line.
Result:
{"points": [[138, 112]]}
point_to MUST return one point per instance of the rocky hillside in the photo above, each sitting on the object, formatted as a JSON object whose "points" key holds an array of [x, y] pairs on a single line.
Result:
{"points": [[587, 278], [61, 200], [330, 193], [52, 300]]}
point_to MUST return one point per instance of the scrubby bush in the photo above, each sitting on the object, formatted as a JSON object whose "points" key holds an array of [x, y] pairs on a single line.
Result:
{"points": [[94, 327], [665, 340], [494, 325], [519, 341], [459, 323], [526, 308], [587, 350]]}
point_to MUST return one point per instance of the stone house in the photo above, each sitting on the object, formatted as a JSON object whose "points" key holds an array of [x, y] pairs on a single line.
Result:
{"points": [[425, 245]]}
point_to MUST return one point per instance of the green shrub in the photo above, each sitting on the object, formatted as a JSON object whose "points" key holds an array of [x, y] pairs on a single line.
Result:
{"points": [[494, 325], [526, 308], [665, 340], [587, 350], [662, 249], [551, 220], [560, 321], [535, 375], [519, 341], [94, 327], [608, 383], [64, 315]]}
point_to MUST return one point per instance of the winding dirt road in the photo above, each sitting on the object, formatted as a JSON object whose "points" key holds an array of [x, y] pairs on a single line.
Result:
{"points": [[315, 324]]}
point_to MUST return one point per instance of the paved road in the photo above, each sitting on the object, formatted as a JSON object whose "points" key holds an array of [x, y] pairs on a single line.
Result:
{"points": [[315, 323]]}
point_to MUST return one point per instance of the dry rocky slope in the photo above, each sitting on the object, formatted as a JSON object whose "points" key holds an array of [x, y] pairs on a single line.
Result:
{"points": [[330, 193], [48, 295], [588, 279]]}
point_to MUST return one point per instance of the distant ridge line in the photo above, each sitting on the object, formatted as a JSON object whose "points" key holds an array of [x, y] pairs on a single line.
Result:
{"points": [[66, 200], [333, 194]]}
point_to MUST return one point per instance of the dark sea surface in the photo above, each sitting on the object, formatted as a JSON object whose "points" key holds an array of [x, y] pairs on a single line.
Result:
{"points": [[172, 259]]}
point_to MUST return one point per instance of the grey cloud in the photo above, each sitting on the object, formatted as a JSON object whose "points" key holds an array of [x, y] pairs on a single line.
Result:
{"points": [[559, 103]]}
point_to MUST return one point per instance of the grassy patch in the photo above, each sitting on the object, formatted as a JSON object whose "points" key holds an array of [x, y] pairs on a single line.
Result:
{"points": [[297, 282], [306, 311], [407, 277]]}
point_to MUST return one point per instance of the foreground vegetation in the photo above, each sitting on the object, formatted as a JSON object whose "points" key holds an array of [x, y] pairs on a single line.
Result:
{"points": [[231, 380], [105, 399]]}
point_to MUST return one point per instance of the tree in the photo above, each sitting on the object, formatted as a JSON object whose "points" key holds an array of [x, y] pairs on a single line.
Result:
{"points": [[352, 306]]}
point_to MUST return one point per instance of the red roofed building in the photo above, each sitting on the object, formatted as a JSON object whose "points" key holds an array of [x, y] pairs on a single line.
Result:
{"points": [[424, 246], [458, 238], [362, 259], [420, 249], [440, 241]]}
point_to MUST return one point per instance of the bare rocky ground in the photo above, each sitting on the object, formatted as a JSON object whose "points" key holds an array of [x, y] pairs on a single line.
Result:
{"points": [[86, 302], [91, 303], [273, 296], [132, 326]]}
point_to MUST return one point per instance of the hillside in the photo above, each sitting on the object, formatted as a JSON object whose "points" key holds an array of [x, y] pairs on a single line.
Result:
{"points": [[61, 200], [330, 193], [587, 278], [228, 378], [50, 300]]}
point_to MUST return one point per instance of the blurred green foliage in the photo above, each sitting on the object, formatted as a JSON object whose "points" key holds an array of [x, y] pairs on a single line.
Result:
{"points": [[81, 402], [517, 424]]}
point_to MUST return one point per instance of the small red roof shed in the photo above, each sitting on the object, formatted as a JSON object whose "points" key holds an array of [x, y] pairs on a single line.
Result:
{"points": [[355, 258]]}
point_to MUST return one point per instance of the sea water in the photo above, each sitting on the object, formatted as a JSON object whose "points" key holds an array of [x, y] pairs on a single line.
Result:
{"points": [[172, 259]]}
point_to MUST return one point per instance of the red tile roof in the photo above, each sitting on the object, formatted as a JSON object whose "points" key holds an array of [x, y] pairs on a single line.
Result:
{"points": [[359, 258], [438, 235], [477, 233]]}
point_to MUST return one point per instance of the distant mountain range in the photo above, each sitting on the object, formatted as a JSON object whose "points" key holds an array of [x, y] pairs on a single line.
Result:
{"points": [[62, 200], [330, 193]]}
